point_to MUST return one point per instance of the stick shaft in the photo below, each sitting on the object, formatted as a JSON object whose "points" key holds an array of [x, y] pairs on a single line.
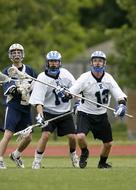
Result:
{"points": [[58, 117], [78, 96]]}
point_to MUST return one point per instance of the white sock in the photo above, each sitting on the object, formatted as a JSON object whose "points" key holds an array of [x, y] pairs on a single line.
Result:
{"points": [[73, 153], [17, 154], [38, 157], [1, 158]]}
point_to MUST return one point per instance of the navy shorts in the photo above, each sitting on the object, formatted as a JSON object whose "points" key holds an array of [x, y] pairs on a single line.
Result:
{"points": [[97, 124], [64, 125], [16, 120]]}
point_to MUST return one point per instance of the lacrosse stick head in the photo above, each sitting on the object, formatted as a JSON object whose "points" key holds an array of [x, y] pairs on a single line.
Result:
{"points": [[4, 78], [24, 133], [15, 73]]}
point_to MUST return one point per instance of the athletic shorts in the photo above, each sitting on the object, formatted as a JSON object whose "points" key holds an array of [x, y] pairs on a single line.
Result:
{"points": [[64, 125], [16, 120], [97, 124]]}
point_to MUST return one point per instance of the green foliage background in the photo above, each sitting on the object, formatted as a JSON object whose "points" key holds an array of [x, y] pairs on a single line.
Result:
{"points": [[67, 26]]}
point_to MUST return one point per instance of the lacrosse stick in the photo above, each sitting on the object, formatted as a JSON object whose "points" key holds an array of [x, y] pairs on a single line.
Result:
{"points": [[24, 133], [4, 78], [13, 70]]}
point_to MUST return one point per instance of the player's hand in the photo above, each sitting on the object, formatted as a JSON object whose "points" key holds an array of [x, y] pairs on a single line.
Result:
{"points": [[120, 111], [40, 119], [60, 91], [13, 91]]}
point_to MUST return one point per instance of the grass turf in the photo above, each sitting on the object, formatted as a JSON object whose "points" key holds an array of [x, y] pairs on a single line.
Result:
{"points": [[59, 174]]}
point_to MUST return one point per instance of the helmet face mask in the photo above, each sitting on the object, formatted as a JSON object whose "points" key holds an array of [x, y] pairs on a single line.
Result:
{"points": [[53, 63], [16, 53], [98, 62]]}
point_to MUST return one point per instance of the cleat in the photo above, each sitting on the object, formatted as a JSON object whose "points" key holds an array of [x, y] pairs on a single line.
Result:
{"points": [[74, 159], [17, 161], [104, 166], [83, 159], [2, 165], [36, 165]]}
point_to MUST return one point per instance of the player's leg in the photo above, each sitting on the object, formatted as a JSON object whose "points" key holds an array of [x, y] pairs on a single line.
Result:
{"points": [[82, 131], [46, 132], [16, 155], [72, 149], [40, 150], [65, 126], [106, 147], [25, 120], [84, 150], [104, 133], [9, 126], [3, 146]]}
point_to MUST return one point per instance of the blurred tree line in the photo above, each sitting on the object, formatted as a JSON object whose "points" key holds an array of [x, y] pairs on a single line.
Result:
{"points": [[67, 26], [125, 39]]}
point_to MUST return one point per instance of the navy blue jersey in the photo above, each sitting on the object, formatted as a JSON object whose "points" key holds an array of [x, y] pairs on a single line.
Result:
{"points": [[15, 100]]}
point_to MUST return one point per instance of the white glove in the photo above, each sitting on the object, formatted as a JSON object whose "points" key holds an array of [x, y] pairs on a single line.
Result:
{"points": [[120, 111], [60, 91], [24, 87], [24, 90], [40, 119]]}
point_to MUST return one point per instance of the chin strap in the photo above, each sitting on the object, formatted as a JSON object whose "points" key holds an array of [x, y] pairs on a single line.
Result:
{"points": [[53, 74], [97, 69]]}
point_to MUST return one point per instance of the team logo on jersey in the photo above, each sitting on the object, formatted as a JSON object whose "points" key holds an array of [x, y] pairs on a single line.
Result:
{"points": [[100, 85]]}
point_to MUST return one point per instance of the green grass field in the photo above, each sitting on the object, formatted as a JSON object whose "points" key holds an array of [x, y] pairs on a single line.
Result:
{"points": [[58, 174]]}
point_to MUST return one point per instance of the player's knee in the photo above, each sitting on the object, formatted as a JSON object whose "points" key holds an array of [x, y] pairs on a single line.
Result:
{"points": [[7, 138], [80, 136], [108, 145], [8, 135], [72, 136], [45, 136]]}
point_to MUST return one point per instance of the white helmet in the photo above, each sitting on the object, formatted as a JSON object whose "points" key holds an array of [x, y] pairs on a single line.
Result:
{"points": [[16, 47], [98, 54], [51, 70], [53, 55]]}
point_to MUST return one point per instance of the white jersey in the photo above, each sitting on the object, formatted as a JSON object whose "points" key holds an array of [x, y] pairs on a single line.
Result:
{"points": [[96, 91], [45, 95]]}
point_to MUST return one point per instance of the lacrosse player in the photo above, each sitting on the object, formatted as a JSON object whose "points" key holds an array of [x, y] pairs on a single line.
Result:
{"points": [[50, 103], [17, 115], [97, 85]]}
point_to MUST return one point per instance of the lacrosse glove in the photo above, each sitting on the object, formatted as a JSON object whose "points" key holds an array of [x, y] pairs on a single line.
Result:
{"points": [[120, 111], [61, 92], [39, 119]]}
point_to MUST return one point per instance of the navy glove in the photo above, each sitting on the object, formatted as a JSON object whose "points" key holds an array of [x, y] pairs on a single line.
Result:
{"points": [[77, 103], [40, 119], [120, 111], [60, 91]]}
